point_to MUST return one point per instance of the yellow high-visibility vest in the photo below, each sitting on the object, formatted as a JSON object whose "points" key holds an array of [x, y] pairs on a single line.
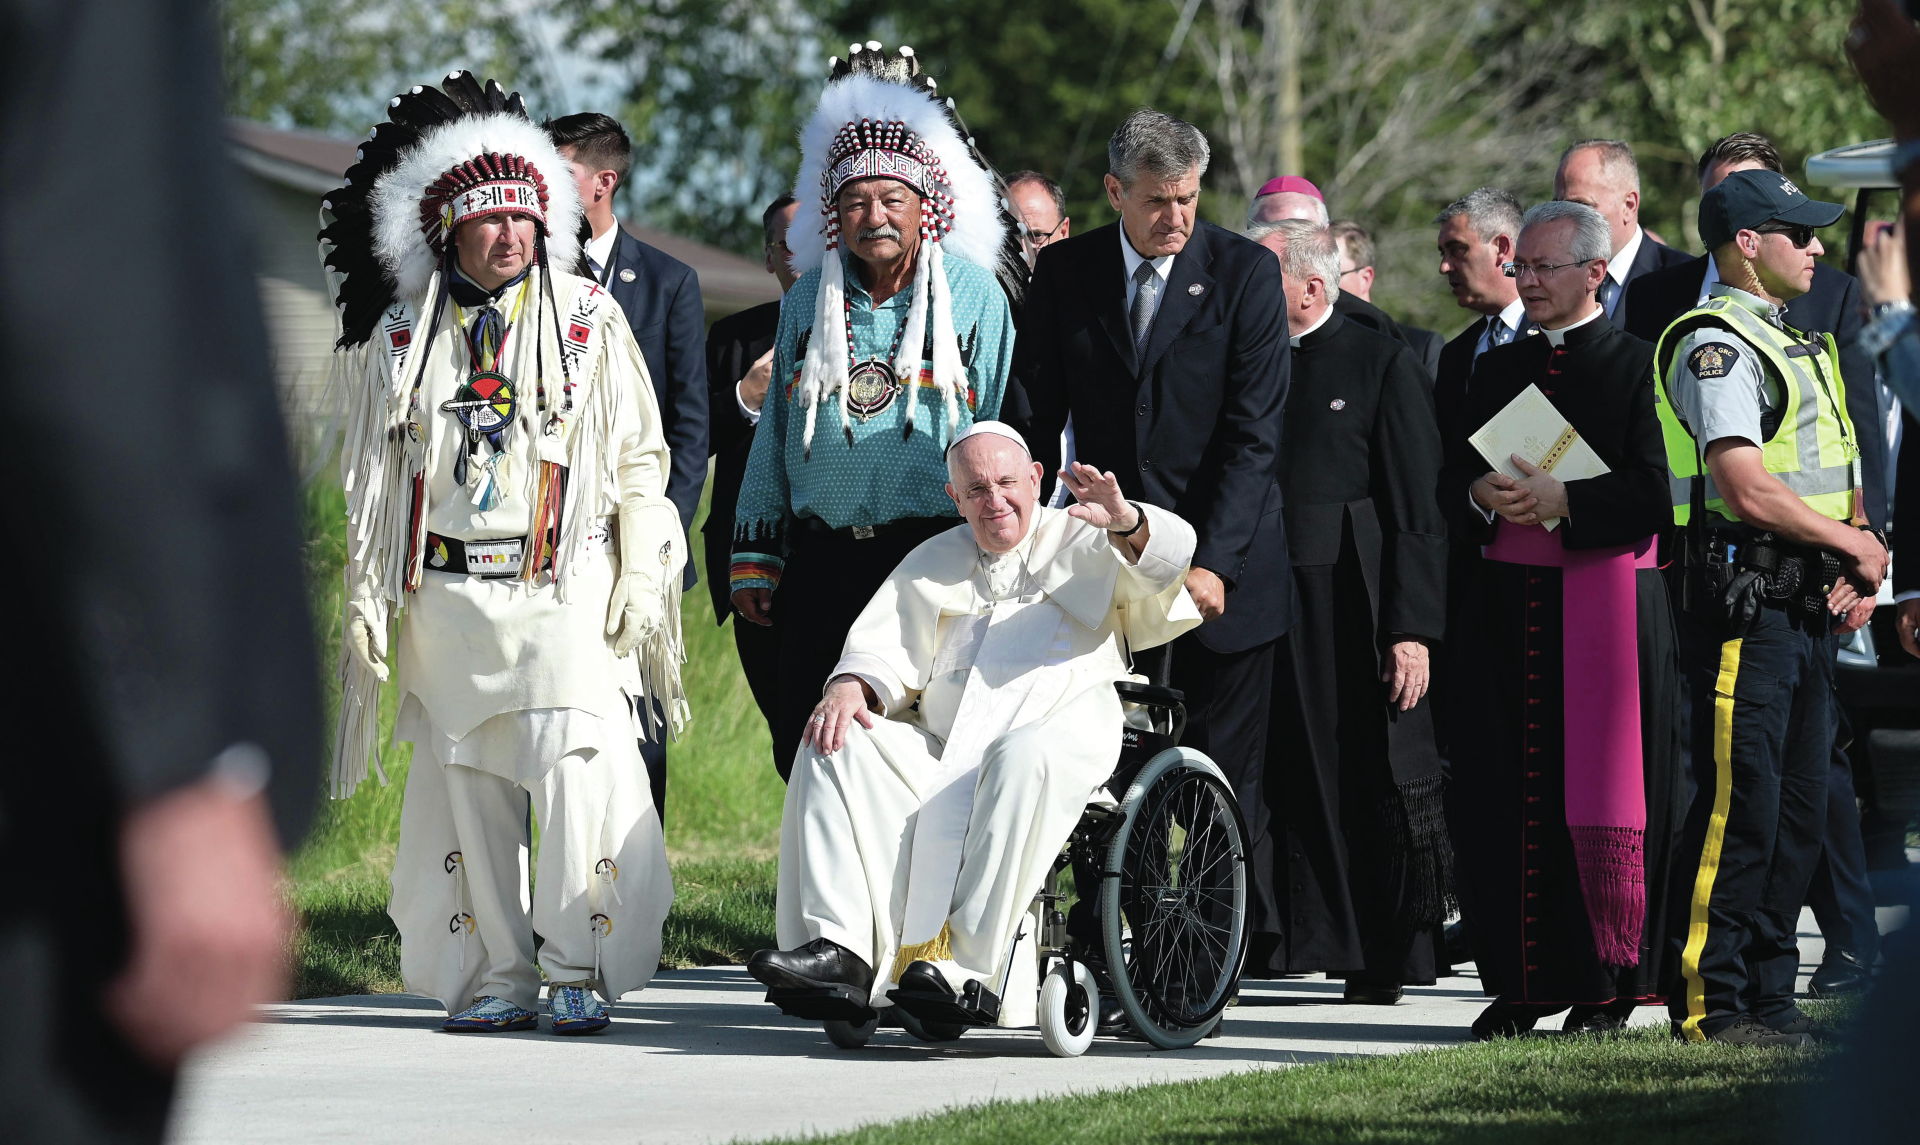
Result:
{"points": [[1812, 451]]}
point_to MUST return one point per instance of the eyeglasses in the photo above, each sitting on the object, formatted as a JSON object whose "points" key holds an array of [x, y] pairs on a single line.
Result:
{"points": [[1540, 269], [1040, 238], [1355, 270], [1799, 234]]}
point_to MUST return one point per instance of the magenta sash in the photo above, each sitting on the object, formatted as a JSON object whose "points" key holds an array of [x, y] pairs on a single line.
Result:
{"points": [[1606, 790]]}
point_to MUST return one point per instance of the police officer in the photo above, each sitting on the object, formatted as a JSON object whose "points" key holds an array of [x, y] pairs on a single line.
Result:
{"points": [[1773, 558]]}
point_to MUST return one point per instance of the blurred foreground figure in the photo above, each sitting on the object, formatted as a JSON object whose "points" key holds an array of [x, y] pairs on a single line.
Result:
{"points": [[1566, 798], [507, 505], [913, 843], [166, 649]]}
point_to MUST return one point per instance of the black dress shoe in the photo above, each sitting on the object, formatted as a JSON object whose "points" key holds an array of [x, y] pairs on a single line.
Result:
{"points": [[1608, 1019], [925, 978], [819, 964], [1372, 993], [1504, 1019], [1113, 1018], [1841, 972]]}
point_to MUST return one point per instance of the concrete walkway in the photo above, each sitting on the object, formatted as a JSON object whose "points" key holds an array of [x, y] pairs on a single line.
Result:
{"points": [[699, 1057]]}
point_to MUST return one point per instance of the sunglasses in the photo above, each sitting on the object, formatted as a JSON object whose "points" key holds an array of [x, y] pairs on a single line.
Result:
{"points": [[1799, 234]]}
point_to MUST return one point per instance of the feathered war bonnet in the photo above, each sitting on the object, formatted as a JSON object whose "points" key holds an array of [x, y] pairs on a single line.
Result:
{"points": [[445, 155], [879, 117]]}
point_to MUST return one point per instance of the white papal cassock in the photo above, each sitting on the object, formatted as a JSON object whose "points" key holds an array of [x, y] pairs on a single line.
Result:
{"points": [[927, 836], [518, 709]]}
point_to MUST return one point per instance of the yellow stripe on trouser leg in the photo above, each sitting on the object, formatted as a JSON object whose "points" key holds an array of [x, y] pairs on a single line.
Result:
{"points": [[1716, 837]]}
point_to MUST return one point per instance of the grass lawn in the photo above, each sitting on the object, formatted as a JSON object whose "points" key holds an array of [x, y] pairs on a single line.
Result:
{"points": [[723, 810], [1633, 1089]]}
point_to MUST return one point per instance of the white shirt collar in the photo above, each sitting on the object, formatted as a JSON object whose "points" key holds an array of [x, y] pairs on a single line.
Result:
{"points": [[1559, 336], [1622, 261], [1162, 266], [600, 247], [1513, 316], [1294, 339], [1709, 280]]}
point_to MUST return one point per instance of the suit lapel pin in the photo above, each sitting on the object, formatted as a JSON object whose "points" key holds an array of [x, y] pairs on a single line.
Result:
{"points": [[1195, 289], [627, 275], [1337, 403]]}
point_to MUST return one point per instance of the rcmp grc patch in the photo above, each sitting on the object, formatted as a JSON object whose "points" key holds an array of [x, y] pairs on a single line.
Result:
{"points": [[1712, 360]]}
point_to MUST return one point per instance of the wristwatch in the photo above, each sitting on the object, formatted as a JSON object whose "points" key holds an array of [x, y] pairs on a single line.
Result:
{"points": [[1139, 519]]}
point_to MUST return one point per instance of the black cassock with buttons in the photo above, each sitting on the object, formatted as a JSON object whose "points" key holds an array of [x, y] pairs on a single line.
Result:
{"points": [[1360, 847], [1519, 889]]}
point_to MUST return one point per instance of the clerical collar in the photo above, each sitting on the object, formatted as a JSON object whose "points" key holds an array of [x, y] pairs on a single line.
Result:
{"points": [[1747, 301], [1559, 337], [469, 293], [1294, 339]]}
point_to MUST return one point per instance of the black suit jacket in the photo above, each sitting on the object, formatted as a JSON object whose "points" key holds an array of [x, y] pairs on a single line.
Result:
{"points": [[1354, 308], [1426, 346], [663, 307], [1604, 388], [733, 345], [1361, 444], [1832, 306], [1193, 425], [1651, 257]]}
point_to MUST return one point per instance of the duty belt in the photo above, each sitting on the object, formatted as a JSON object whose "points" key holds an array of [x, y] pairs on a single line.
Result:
{"points": [[1780, 574]]}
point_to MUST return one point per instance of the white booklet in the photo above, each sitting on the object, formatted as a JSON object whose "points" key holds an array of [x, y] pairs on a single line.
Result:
{"points": [[1531, 427]]}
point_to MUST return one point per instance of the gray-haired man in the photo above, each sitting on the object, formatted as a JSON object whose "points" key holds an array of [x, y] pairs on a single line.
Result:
{"points": [[1165, 338], [1565, 792]]}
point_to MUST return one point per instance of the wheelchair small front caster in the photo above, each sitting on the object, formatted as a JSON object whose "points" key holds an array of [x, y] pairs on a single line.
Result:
{"points": [[1069, 1014], [851, 1035]]}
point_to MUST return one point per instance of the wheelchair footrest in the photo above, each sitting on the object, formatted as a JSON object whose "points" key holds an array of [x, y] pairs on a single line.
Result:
{"points": [[975, 1006], [824, 1004]]}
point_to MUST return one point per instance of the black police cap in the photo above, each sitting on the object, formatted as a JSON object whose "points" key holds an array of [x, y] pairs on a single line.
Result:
{"points": [[1748, 199]]}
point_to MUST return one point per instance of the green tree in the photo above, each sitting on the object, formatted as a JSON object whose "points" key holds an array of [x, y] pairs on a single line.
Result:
{"points": [[715, 92], [1683, 74], [331, 65]]}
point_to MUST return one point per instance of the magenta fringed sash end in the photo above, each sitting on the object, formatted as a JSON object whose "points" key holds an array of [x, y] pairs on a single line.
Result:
{"points": [[1613, 878], [1606, 803]]}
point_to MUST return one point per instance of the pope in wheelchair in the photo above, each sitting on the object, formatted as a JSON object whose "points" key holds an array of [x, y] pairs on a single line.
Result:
{"points": [[958, 762]]}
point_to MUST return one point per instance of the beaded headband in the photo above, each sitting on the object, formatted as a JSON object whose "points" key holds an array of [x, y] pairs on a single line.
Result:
{"points": [[487, 184], [886, 150]]}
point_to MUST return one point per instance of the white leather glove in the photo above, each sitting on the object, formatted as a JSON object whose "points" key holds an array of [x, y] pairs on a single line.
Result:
{"points": [[366, 635], [652, 553]]}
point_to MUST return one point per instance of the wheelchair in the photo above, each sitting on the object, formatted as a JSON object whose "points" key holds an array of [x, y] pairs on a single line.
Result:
{"points": [[1161, 880]]}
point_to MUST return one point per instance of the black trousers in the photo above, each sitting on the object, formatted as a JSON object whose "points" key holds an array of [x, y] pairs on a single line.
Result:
{"points": [[759, 649], [1840, 895], [1762, 746], [1227, 698], [829, 579]]}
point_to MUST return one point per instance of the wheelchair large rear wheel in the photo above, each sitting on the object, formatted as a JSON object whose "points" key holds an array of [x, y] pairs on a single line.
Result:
{"points": [[1173, 898]]}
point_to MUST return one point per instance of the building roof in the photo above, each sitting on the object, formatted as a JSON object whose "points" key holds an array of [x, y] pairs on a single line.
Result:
{"points": [[312, 162]]}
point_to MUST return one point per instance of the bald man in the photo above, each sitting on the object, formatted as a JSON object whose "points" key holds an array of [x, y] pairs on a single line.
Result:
{"points": [[1602, 174], [969, 720]]}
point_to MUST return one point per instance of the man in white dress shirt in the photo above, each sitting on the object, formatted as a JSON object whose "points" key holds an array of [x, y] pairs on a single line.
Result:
{"points": [[969, 720], [1602, 174]]}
